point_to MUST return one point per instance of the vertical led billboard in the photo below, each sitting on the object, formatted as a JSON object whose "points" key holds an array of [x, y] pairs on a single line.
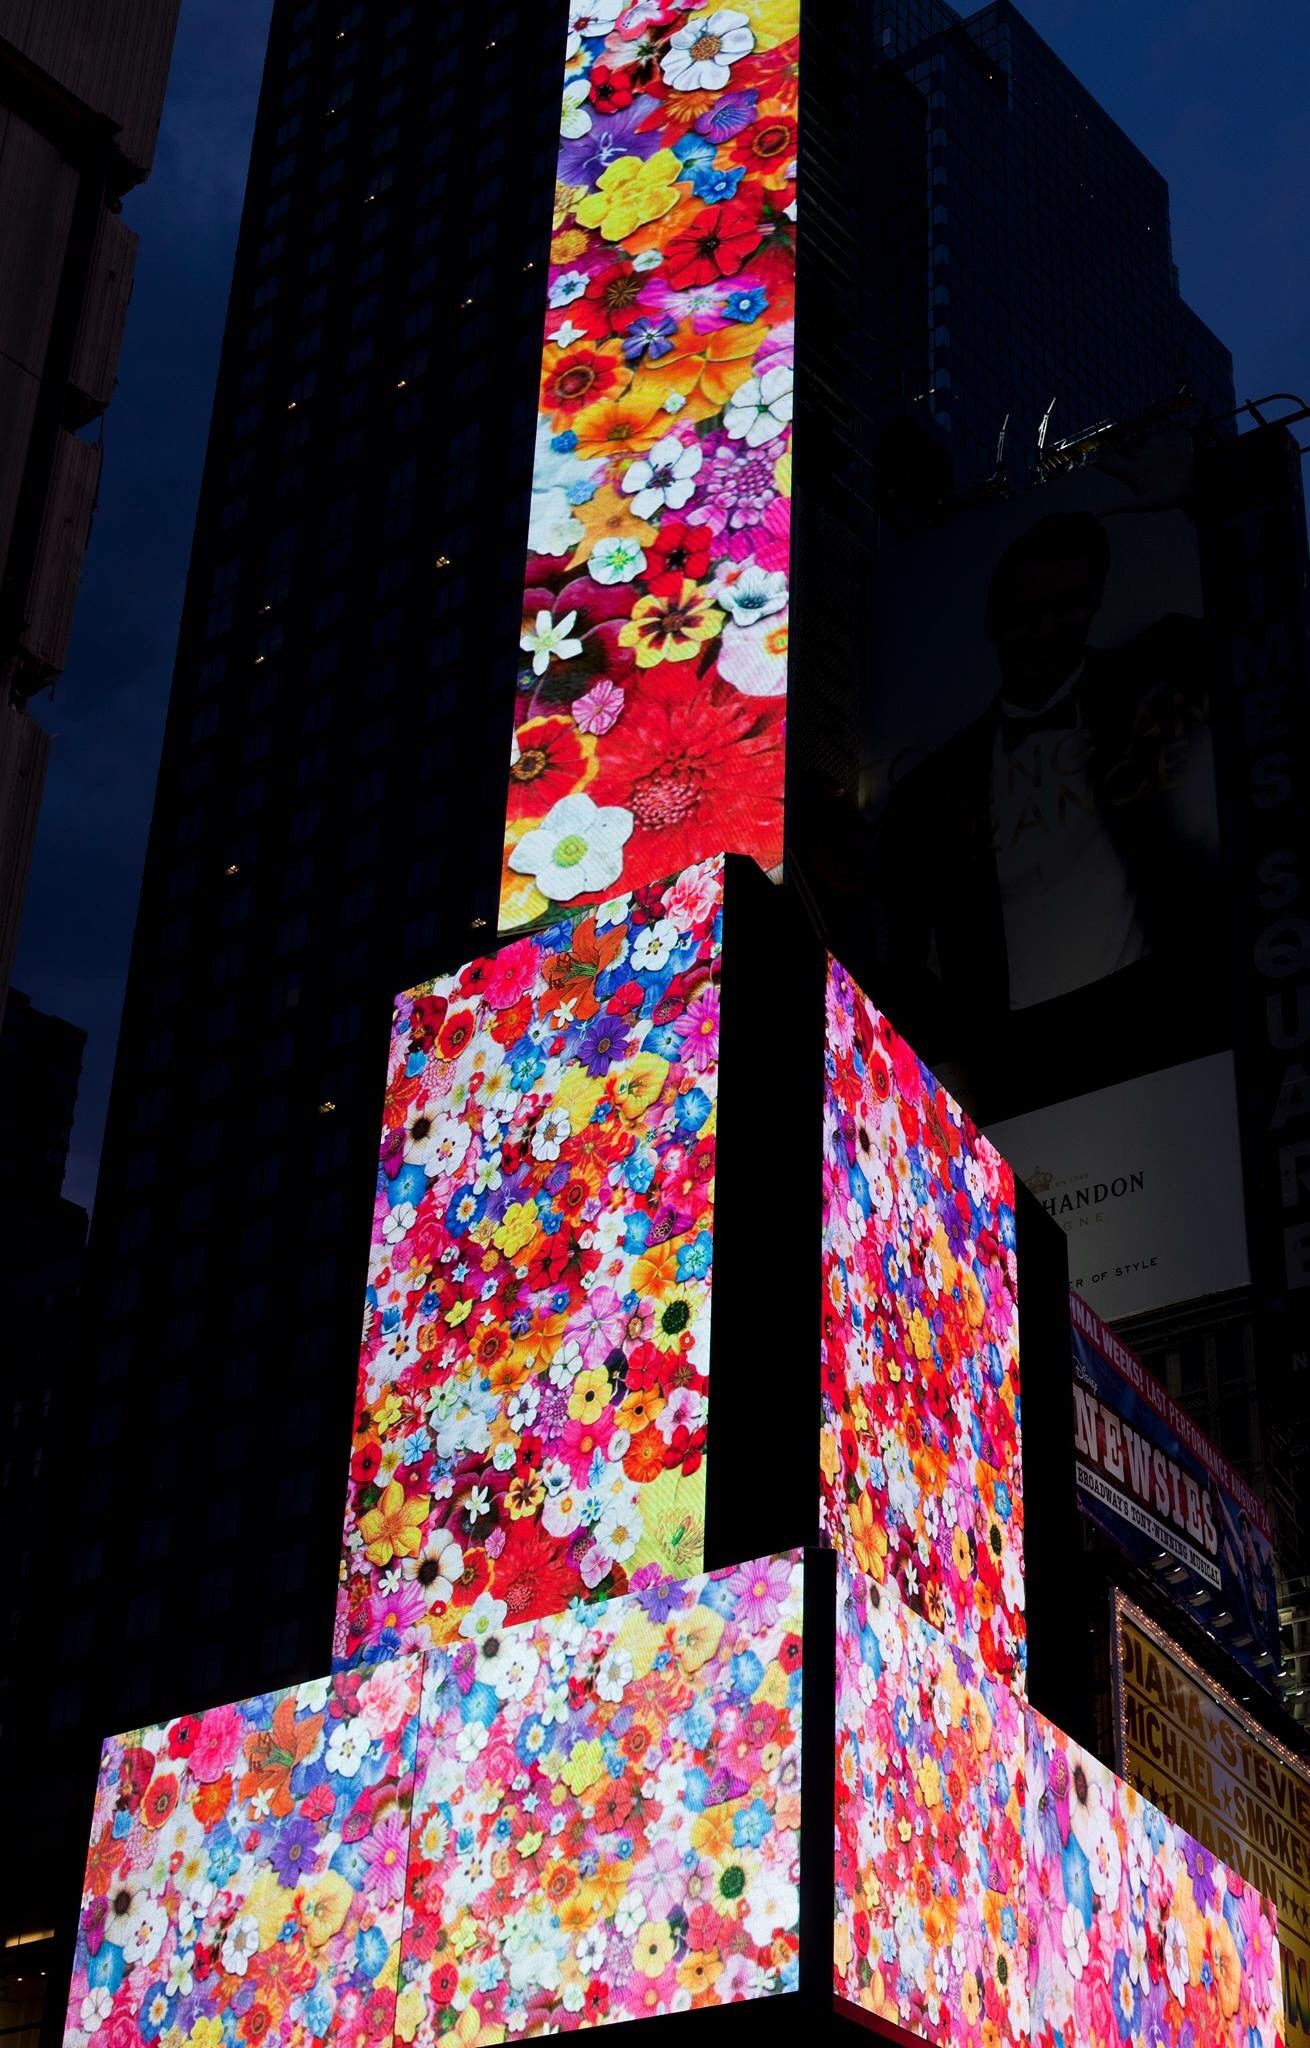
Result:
{"points": [[530, 1421], [608, 1819], [922, 1482], [245, 1880], [931, 1925], [1139, 1935], [653, 672]]}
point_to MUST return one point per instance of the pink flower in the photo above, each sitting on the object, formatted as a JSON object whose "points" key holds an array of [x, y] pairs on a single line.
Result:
{"points": [[599, 1325], [385, 1855], [216, 1743], [599, 708], [513, 971], [760, 1591], [694, 897], [698, 1028], [388, 1696]]}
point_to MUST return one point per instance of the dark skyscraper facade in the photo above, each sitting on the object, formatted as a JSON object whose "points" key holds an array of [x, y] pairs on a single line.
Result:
{"points": [[330, 807]]}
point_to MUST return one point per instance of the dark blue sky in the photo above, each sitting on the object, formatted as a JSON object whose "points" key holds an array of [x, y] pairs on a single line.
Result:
{"points": [[1214, 93]]}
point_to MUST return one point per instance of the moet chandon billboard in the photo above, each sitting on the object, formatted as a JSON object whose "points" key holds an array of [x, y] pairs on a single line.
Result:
{"points": [[648, 727]]}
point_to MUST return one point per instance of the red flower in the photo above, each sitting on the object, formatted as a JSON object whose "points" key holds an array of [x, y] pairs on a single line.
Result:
{"points": [[678, 551], [182, 1735], [721, 243], [455, 1034], [611, 91], [765, 147], [366, 1463], [596, 2000], [532, 1574], [609, 304], [425, 1020], [701, 775], [577, 378], [318, 1804], [159, 1801], [551, 762], [472, 979], [445, 1983]]}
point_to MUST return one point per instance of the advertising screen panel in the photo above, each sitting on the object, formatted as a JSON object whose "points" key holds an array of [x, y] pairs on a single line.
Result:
{"points": [[653, 673], [922, 1481], [1216, 1772], [607, 1825], [246, 1874], [1154, 1483], [1055, 930], [1139, 1935], [931, 1923], [1145, 1180], [530, 1419]]}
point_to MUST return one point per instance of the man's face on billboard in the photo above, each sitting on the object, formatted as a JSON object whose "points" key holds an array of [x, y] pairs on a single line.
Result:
{"points": [[1040, 625]]}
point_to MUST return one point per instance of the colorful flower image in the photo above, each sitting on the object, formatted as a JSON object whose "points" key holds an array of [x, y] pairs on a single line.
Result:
{"points": [[931, 1925], [922, 1478], [607, 1824], [1138, 1936], [653, 667], [246, 1874], [531, 1413]]}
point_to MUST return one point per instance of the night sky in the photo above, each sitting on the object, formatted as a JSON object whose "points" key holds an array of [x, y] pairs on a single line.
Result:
{"points": [[1213, 92]]}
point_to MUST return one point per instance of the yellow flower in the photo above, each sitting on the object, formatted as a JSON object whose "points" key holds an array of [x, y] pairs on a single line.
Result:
{"points": [[930, 1782], [652, 1951], [460, 1313], [612, 426], [774, 21], [566, 201], [410, 2008], [696, 1638], [518, 1228], [828, 1458], [869, 1538], [920, 1335], [672, 628], [585, 1765], [388, 1413], [589, 1394], [206, 2034], [324, 1906], [568, 246], [631, 193], [394, 1527], [638, 1085]]}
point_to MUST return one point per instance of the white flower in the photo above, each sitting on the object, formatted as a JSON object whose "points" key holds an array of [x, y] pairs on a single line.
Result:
{"points": [[577, 848], [552, 528], [1073, 1939], [399, 1220], [702, 53], [550, 636], [484, 1618], [591, 1949], [96, 2008], [654, 943], [568, 286], [665, 476], [242, 1943], [574, 119], [614, 1675], [616, 560], [760, 408], [551, 1134], [179, 1972], [749, 592], [1104, 1863], [630, 1913], [347, 1748], [471, 1740], [595, 17], [445, 1555], [513, 1670], [1177, 1960], [146, 1935], [566, 334]]}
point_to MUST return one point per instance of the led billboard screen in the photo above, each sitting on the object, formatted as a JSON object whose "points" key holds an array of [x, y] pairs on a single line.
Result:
{"points": [[531, 1406], [922, 1479], [1139, 1935], [1190, 1747], [607, 1824], [931, 1925], [653, 673], [245, 1880]]}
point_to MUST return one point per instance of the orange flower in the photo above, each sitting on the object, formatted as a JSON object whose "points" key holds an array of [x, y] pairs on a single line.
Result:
{"points": [[613, 425], [274, 1753]]}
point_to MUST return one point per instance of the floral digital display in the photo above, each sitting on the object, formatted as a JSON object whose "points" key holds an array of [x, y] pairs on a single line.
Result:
{"points": [[931, 1925], [531, 1410], [245, 1879], [1139, 1937], [607, 1824], [653, 672], [922, 1478]]}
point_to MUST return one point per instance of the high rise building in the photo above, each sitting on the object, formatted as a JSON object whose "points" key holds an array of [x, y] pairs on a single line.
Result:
{"points": [[81, 87], [329, 817]]}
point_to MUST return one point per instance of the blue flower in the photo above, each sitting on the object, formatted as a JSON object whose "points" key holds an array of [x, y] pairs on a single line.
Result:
{"points": [[695, 1259], [155, 2013], [649, 337], [318, 2008], [697, 1792], [751, 1825], [693, 1108], [565, 443], [371, 1951], [746, 305], [1078, 1880], [715, 186], [409, 1185], [696, 153], [745, 1674], [105, 1968]]}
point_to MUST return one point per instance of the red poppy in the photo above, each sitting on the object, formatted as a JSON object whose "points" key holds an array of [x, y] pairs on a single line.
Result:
{"points": [[595, 2001], [182, 1735], [551, 762], [678, 551], [611, 91], [577, 377], [609, 304], [508, 1026], [720, 244], [210, 1803], [700, 775], [456, 1033], [473, 978], [366, 1463], [160, 1800], [445, 1983]]}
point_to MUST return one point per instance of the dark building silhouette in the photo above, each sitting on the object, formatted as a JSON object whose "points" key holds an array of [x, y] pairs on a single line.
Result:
{"points": [[328, 819]]}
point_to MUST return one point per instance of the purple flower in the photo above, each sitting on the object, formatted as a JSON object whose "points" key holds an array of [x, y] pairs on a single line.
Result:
{"points": [[604, 1041], [294, 1851], [610, 137], [730, 114], [1200, 1868], [659, 1597], [651, 338]]}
